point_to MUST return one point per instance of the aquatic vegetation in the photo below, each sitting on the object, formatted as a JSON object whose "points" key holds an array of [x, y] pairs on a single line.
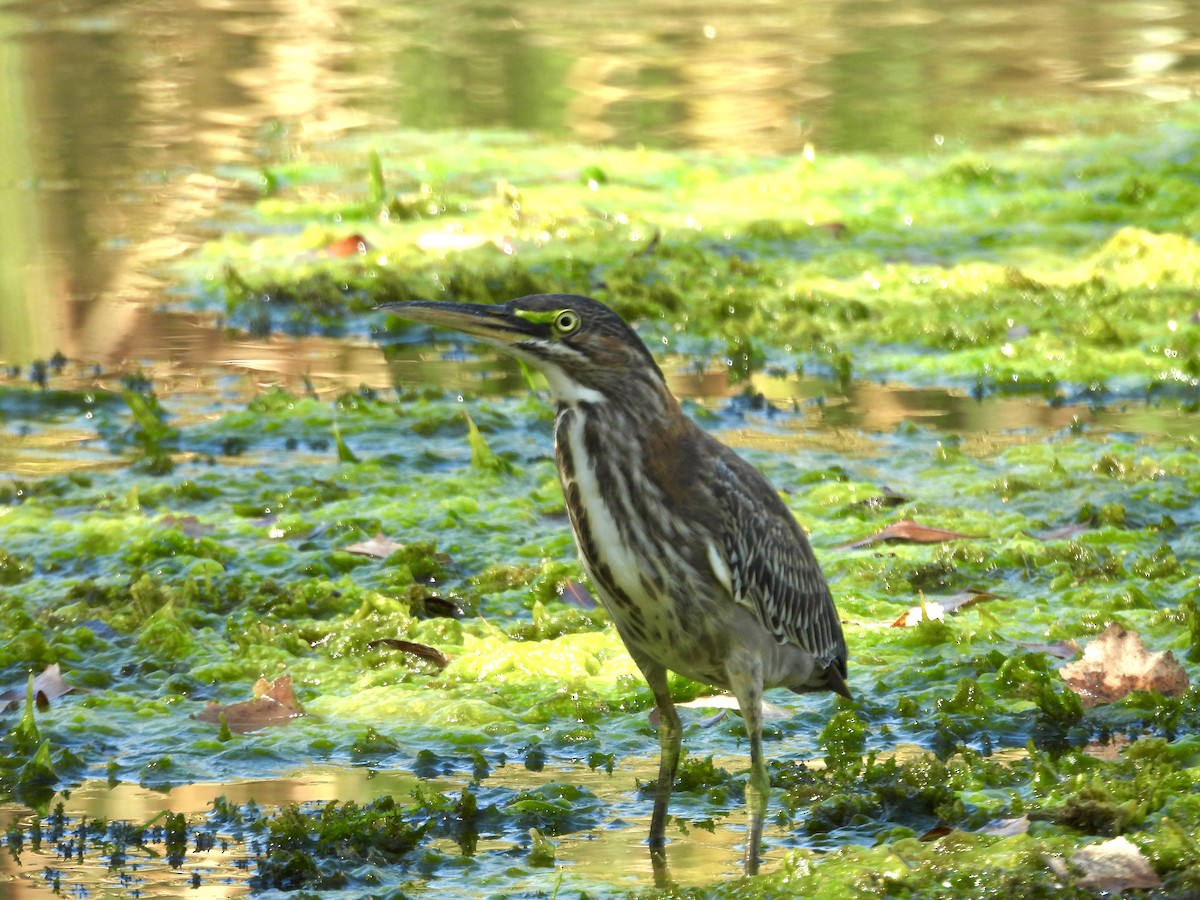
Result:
{"points": [[1007, 271], [323, 535]]}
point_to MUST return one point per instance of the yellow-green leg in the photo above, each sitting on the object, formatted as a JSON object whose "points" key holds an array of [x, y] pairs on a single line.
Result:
{"points": [[748, 690], [670, 737]]}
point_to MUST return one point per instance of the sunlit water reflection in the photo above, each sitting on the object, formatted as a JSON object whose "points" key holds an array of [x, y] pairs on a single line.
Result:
{"points": [[128, 114]]}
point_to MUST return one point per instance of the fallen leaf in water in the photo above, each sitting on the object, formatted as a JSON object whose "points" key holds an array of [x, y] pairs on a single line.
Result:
{"points": [[1114, 866], [906, 530], [1061, 650], [189, 525], [1064, 532], [274, 703], [1109, 750], [575, 594], [422, 651], [379, 546], [350, 245], [938, 608], [1116, 663], [48, 685], [1006, 827]]}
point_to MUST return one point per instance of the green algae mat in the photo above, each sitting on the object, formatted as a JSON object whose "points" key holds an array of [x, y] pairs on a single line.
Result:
{"points": [[337, 641]]}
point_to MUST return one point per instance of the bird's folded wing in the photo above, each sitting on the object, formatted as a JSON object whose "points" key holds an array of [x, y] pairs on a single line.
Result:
{"points": [[769, 566]]}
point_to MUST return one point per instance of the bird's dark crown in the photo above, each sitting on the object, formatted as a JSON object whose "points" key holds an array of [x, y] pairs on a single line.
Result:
{"points": [[598, 335]]}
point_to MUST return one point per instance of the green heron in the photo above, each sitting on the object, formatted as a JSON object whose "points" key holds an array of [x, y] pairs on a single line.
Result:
{"points": [[692, 552]]}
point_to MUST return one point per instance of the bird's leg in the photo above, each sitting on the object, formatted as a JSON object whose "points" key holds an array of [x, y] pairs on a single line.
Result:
{"points": [[670, 736], [747, 687]]}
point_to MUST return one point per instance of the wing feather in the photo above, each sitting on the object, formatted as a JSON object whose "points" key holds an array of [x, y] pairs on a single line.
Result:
{"points": [[772, 569]]}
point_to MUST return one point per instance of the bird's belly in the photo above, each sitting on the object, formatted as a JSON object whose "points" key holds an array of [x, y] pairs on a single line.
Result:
{"points": [[656, 628]]}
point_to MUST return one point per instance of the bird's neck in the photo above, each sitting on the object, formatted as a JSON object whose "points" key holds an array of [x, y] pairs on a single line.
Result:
{"points": [[640, 401]]}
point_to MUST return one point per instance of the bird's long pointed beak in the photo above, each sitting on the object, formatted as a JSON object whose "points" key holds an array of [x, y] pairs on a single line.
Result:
{"points": [[494, 324]]}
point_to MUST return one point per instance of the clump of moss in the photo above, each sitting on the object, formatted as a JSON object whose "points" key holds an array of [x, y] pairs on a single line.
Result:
{"points": [[314, 849]]}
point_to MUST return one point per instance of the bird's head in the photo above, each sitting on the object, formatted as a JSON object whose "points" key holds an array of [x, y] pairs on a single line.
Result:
{"points": [[585, 350]]}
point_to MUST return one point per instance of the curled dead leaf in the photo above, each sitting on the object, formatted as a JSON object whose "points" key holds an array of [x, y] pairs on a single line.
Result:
{"points": [[379, 546], [48, 685], [1115, 866], [274, 703], [907, 530], [1116, 663]]}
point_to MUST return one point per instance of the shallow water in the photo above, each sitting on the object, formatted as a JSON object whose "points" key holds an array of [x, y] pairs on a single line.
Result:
{"points": [[189, 112]]}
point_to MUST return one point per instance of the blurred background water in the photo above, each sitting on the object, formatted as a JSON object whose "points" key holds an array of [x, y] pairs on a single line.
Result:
{"points": [[117, 117]]}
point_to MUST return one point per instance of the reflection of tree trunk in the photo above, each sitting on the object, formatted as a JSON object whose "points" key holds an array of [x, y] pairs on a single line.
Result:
{"points": [[24, 272], [112, 101], [120, 115]]}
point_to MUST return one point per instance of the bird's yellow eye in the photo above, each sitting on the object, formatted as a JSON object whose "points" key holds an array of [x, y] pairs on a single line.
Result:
{"points": [[565, 322]]}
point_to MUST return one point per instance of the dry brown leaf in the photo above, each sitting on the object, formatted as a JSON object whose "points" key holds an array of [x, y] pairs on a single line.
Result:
{"points": [[1115, 866], [422, 651], [1116, 663], [909, 531], [350, 245], [274, 703], [379, 546], [937, 608], [48, 685]]}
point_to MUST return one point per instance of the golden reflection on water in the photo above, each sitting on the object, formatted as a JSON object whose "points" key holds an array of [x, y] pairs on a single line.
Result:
{"points": [[128, 112], [614, 854]]}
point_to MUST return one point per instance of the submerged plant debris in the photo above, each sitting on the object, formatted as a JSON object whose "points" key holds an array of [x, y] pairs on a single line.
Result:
{"points": [[404, 557]]}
